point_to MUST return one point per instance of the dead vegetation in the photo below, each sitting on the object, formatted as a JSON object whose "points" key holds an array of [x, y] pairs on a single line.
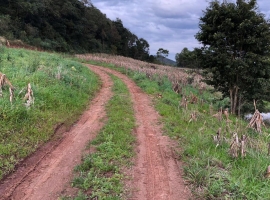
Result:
{"points": [[256, 121], [28, 98], [179, 77], [237, 145], [4, 81]]}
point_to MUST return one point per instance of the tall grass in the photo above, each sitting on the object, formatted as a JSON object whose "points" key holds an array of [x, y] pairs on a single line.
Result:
{"points": [[100, 176], [62, 89]]}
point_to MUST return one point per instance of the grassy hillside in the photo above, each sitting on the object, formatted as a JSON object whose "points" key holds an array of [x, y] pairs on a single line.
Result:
{"points": [[61, 90]]}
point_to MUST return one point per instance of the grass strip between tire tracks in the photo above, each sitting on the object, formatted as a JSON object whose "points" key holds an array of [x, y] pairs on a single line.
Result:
{"points": [[99, 175]]}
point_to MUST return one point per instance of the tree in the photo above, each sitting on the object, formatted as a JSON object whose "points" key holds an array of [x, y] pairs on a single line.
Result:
{"points": [[235, 52], [187, 58], [163, 53], [87, 3], [68, 26]]}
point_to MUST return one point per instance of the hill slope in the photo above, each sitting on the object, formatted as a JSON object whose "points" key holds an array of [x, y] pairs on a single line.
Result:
{"points": [[166, 61], [68, 26]]}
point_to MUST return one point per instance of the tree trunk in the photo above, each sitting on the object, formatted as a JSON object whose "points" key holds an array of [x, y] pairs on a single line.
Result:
{"points": [[231, 100], [234, 98], [239, 106]]}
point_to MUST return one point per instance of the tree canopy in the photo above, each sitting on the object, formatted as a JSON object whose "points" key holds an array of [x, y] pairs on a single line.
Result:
{"points": [[68, 26], [235, 52], [187, 58], [162, 53]]}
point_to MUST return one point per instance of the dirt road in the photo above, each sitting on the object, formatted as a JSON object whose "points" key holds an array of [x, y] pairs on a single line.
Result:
{"points": [[155, 176], [157, 173]]}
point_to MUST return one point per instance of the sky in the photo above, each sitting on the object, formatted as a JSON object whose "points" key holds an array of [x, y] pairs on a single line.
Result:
{"points": [[167, 24]]}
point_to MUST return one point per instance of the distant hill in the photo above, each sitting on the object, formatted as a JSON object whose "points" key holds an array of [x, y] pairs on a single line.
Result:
{"points": [[166, 61]]}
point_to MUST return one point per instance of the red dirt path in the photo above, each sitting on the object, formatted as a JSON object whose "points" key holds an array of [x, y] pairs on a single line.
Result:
{"points": [[156, 175]]}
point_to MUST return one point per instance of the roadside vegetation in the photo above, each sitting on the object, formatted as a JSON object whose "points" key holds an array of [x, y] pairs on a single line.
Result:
{"points": [[100, 175], [61, 89], [192, 116]]}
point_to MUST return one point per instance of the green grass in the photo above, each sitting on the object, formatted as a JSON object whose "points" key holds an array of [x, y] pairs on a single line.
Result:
{"points": [[212, 172], [209, 169], [99, 175], [57, 101]]}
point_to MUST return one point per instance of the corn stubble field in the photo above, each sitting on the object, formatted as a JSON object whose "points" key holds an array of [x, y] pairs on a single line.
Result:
{"points": [[225, 157]]}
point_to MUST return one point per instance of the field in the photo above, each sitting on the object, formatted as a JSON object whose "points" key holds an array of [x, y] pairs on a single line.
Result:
{"points": [[211, 168], [221, 157], [61, 90]]}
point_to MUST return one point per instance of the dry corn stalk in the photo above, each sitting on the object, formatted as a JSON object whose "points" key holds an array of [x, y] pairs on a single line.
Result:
{"points": [[177, 88], [29, 96], [256, 121], [226, 113], [267, 175], [193, 99], [193, 117], [159, 96], [184, 102], [243, 150], [4, 81], [11, 95], [234, 147], [217, 138], [218, 115]]}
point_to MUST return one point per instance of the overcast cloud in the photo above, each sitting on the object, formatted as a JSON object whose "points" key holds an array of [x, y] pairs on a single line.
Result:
{"points": [[168, 24]]}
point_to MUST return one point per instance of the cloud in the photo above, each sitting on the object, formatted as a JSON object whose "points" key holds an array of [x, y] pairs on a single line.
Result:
{"points": [[168, 24], [176, 8]]}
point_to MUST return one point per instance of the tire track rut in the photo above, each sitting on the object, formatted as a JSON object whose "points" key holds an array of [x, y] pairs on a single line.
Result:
{"points": [[157, 174]]}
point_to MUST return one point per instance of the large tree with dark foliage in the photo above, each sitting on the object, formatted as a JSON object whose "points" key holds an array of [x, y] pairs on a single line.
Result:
{"points": [[235, 52], [68, 26]]}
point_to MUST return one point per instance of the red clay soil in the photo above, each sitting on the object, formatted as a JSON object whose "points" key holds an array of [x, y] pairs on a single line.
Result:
{"points": [[48, 172], [157, 174]]}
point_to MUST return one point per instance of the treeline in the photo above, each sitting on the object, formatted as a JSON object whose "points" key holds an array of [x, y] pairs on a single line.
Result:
{"points": [[187, 58], [69, 26]]}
